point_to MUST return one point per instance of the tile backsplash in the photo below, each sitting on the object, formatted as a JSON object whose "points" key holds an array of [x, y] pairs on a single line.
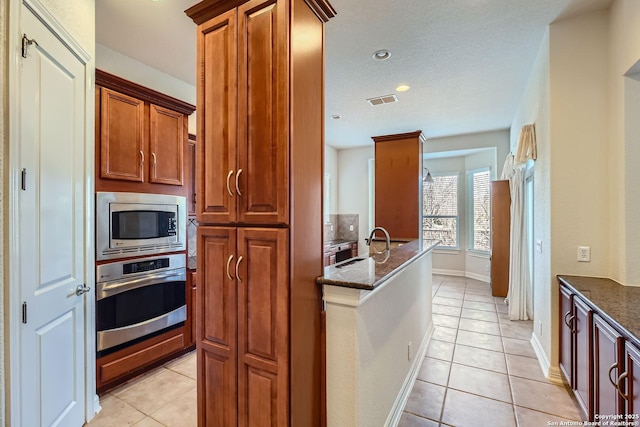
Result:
{"points": [[341, 226]]}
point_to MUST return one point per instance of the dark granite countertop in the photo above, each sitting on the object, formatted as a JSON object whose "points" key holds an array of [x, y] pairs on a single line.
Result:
{"points": [[613, 301], [369, 272]]}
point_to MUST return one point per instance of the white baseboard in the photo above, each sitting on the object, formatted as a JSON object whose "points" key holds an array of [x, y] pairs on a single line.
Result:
{"points": [[552, 373], [401, 400], [459, 273], [479, 277]]}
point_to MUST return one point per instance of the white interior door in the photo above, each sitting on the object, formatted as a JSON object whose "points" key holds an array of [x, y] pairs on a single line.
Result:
{"points": [[51, 225]]}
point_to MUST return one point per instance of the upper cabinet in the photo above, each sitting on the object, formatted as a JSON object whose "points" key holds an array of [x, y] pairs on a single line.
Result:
{"points": [[398, 184], [244, 174], [142, 138]]}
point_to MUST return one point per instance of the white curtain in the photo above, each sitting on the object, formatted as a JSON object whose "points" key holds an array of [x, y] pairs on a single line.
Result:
{"points": [[519, 295]]}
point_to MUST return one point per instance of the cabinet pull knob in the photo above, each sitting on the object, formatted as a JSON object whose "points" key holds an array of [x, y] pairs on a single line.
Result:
{"points": [[141, 158], [566, 322], [620, 379], [613, 383], [228, 187], [228, 265], [237, 184], [153, 156], [237, 268]]}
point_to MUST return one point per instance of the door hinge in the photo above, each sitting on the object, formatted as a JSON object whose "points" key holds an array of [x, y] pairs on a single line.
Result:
{"points": [[26, 42], [24, 312], [23, 185]]}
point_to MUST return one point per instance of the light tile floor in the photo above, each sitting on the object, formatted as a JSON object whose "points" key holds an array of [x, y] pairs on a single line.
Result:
{"points": [[163, 397], [480, 369]]}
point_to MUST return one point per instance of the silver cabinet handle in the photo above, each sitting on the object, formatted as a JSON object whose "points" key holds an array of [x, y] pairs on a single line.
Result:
{"points": [[153, 156], [228, 187], [613, 383], [566, 322], [229, 264], [237, 268], [237, 185], [620, 379], [82, 289], [141, 158]]}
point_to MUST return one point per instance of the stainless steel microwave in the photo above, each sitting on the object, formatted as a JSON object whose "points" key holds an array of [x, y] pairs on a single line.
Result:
{"points": [[131, 224]]}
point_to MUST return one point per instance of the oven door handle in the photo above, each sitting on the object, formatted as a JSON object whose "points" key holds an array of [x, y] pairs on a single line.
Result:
{"points": [[108, 289]]}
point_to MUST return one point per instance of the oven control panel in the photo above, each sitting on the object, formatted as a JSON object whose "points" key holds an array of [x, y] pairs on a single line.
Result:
{"points": [[140, 266]]}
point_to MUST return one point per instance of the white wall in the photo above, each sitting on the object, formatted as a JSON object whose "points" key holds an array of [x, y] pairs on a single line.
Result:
{"points": [[131, 69], [624, 208], [4, 124], [331, 168], [353, 188], [534, 108], [78, 18]]}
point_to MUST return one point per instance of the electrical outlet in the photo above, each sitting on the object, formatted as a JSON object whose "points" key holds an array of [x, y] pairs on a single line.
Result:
{"points": [[539, 245], [409, 351], [351, 228], [332, 228], [540, 327], [584, 254]]}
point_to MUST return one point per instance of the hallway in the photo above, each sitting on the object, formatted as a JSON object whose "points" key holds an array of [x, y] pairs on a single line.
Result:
{"points": [[480, 368]]}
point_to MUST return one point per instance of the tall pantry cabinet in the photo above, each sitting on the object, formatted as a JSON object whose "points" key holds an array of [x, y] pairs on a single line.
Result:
{"points": [[259, 204]]}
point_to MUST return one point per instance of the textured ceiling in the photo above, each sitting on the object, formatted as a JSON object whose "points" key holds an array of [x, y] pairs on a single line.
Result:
{"points": [[467, 61]]}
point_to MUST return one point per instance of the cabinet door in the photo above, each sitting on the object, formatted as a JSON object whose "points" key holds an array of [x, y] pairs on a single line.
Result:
{"points": [[217, 101], [166, 146], [122, 137], [263, 330], [631, 388], [582, 357], [500, 231], [607, 345], [216, 333], [263, 95], [566, 334]]}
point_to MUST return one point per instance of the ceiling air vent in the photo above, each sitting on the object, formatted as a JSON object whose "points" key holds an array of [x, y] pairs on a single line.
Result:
{"points": [[379, 100]]}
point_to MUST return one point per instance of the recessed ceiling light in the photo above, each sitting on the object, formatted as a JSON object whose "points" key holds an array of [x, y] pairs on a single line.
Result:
{"points": [[402, 88], [336, 117], [381, 55]]}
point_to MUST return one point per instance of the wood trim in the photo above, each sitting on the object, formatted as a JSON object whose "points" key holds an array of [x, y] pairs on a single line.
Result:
{"points": [[322, 9], [416, 134], [127, 87], [207, 9]]}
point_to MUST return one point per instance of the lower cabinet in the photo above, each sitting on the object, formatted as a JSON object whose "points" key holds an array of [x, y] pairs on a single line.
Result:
{"points": [[242, 329], [190, 323], [582, 358], [599, 360], [608, 364]]}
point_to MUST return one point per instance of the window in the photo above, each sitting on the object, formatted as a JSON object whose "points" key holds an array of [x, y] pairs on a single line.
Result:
{"points": [[480, 205], [440, 210]]}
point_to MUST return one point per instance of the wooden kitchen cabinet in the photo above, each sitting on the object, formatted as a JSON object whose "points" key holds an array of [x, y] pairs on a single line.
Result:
{"points": [[242, 324], [398, 189], [582, 356], [259, 176], [500, 237], [190, 323], [244, 174], [629, 384], [566, 335], [142, 137], [607, 364]]}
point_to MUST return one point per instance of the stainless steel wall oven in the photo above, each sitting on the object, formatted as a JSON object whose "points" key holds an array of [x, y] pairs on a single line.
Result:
{"points": [[137, 298]]}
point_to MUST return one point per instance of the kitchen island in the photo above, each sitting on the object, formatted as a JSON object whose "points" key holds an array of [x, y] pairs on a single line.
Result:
{"points": [[378, 325]]}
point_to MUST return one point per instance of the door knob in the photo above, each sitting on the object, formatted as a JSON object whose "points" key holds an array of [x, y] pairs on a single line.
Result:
{"points": [[82, 289]]}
